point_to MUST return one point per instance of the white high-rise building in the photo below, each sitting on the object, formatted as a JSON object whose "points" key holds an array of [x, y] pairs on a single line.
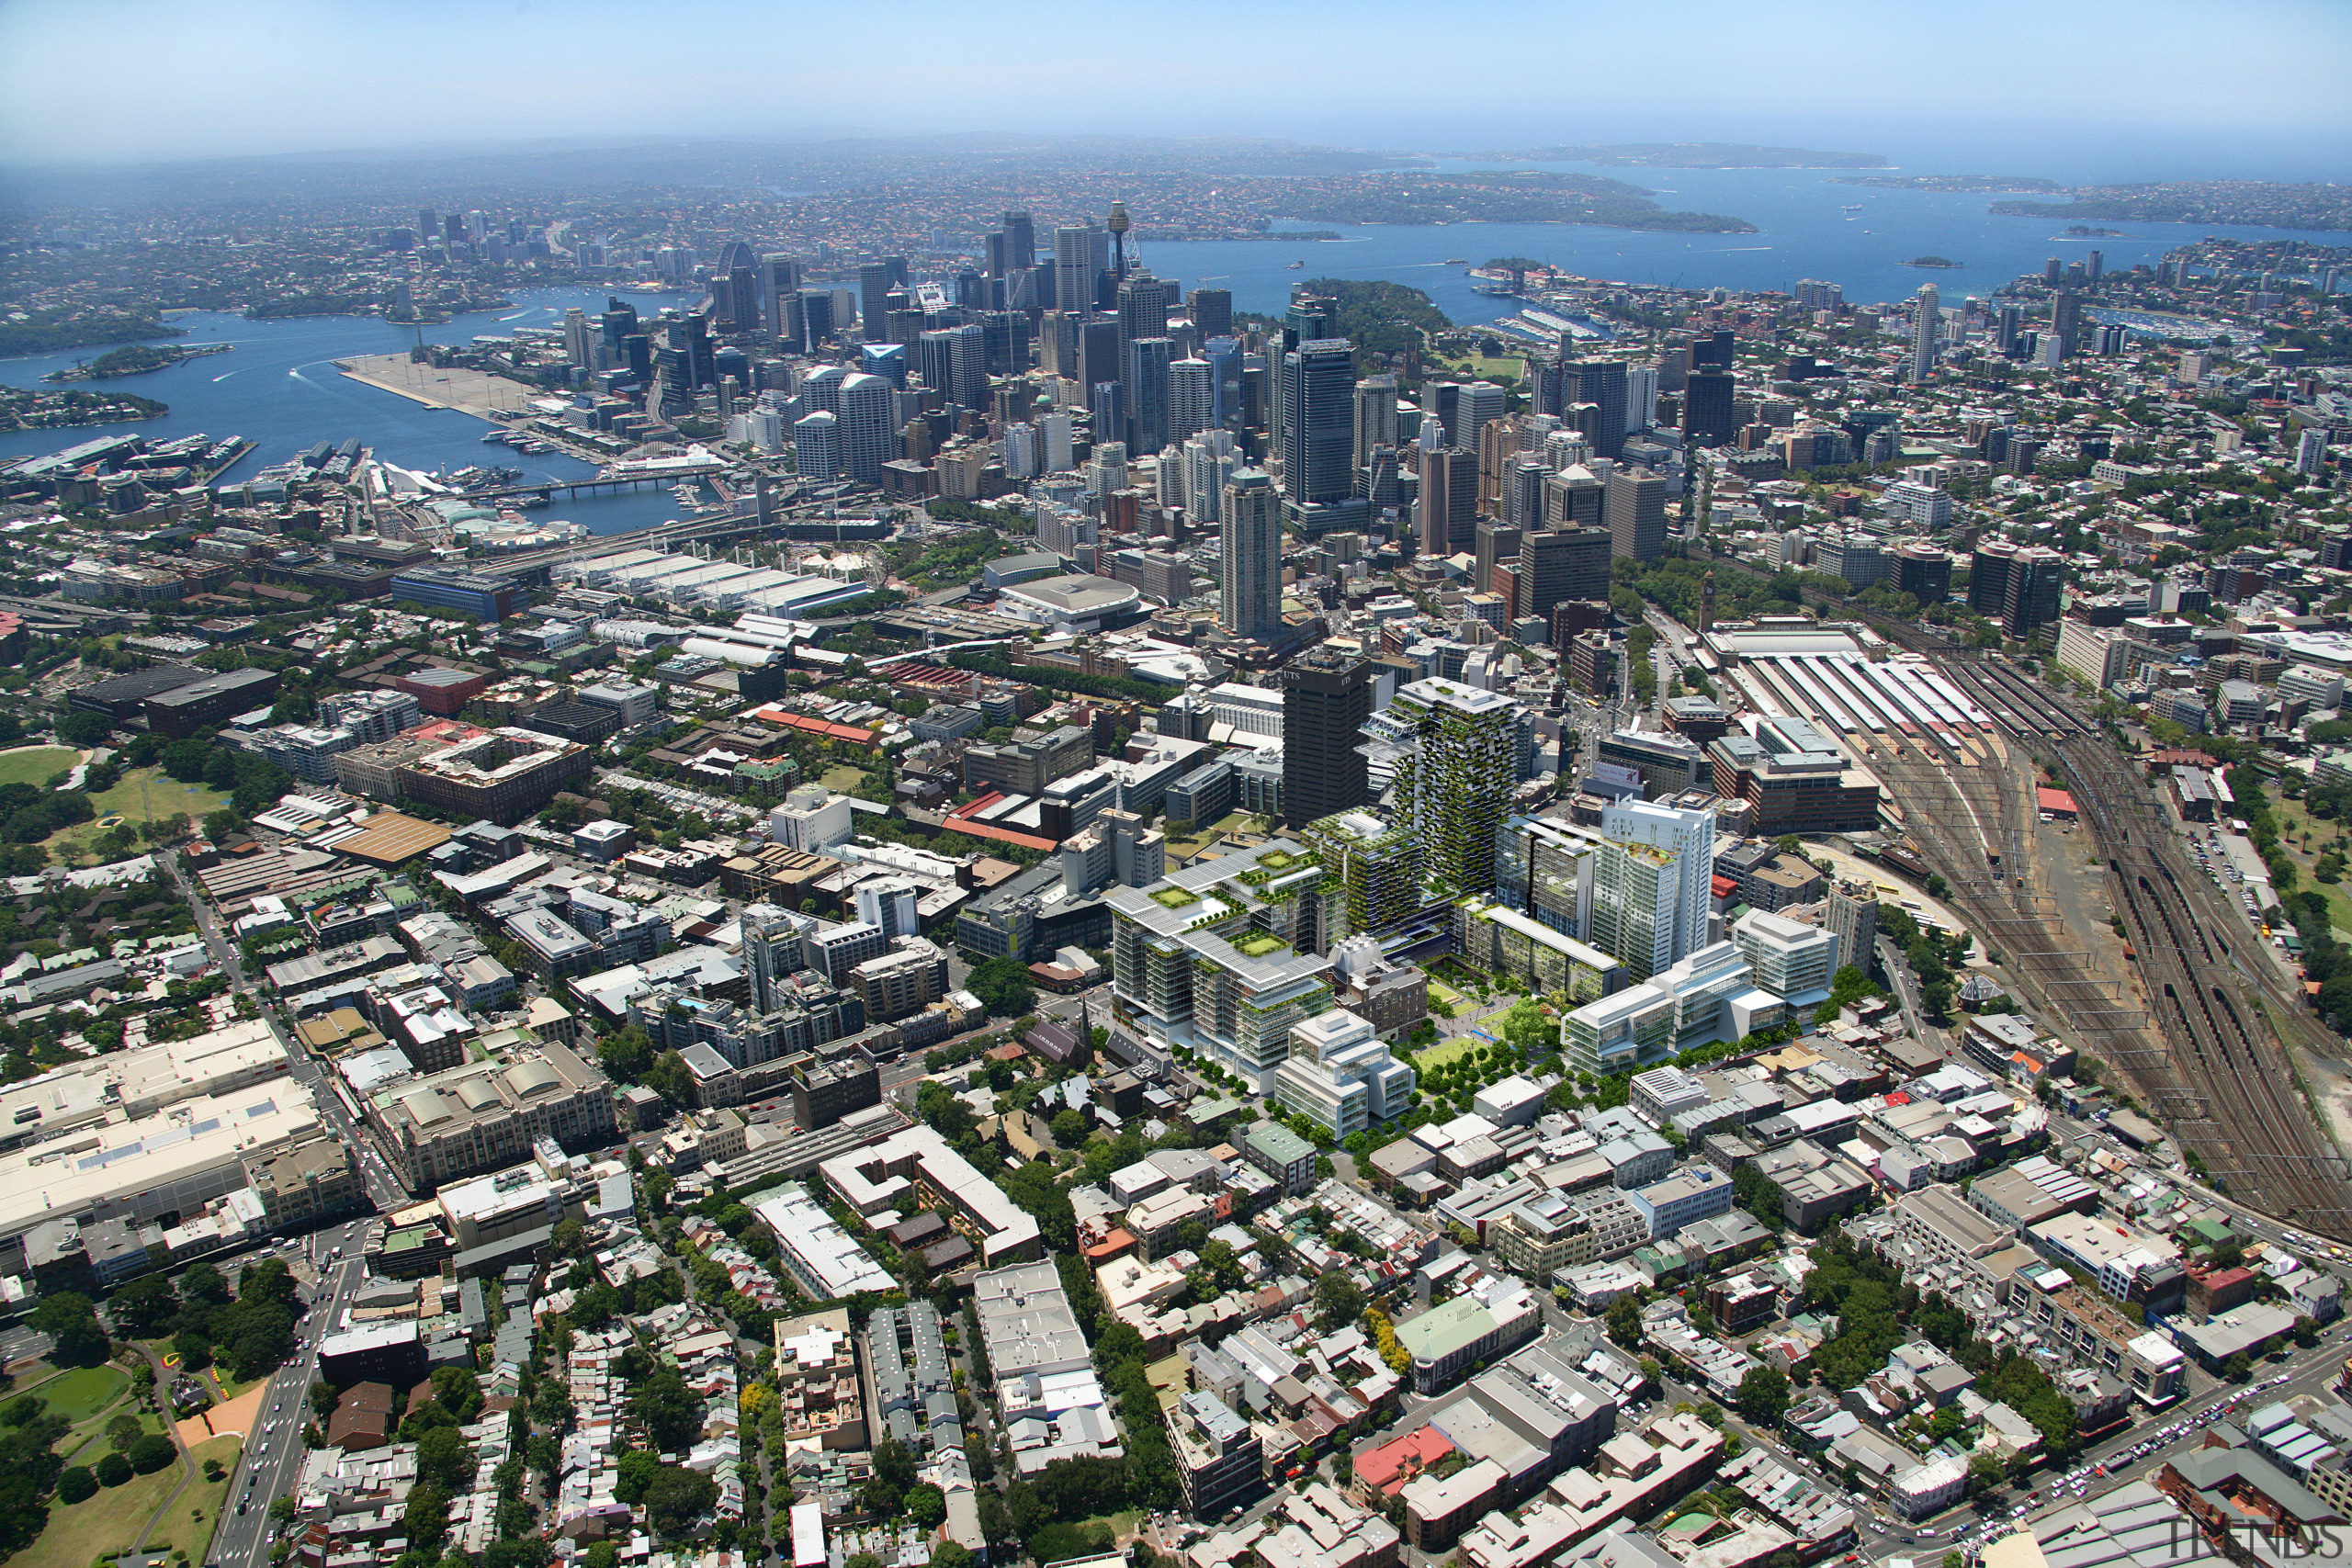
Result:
{"points": [[1651, 886], [1339, 1076], [812, 817], [817, 446], [1192, 395], [771, 953], [1923, 333], [575, 337], [1209, 460], [1640, 397], [1053, 438], [1792, 960], [1251, 601]]}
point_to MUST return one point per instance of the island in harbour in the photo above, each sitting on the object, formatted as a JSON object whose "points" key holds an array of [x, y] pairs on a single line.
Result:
{"points": [[2085, 232], [1933, 261], [136, 360], [1964, 185]]}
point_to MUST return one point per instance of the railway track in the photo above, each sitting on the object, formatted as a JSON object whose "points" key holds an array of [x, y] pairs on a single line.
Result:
{"points": [[2217, 1069]]}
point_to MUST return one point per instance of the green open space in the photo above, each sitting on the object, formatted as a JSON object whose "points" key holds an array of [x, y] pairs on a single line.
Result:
{"points": [[1203, 835], [1444, 1051], [193, 1518], [142, 795], [2295, 820], [843, 779], [81, 1394], [108, 1520], [36, 764]]}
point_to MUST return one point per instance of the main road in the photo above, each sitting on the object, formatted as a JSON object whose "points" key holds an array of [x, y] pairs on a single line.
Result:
{"points": [[272, 1461]]}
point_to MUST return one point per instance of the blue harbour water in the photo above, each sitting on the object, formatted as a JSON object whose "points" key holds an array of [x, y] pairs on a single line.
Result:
{"points": [[280, 388]]}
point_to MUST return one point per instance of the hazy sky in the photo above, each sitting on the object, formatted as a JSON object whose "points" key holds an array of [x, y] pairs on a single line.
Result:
{"points": [[2089, 89]]}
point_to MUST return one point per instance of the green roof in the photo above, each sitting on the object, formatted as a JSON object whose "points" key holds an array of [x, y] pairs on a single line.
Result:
{"points": [[1446, 1328], [1278, 1143]]}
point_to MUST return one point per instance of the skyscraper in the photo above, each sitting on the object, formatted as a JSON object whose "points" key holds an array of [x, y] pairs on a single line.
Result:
{"points": [[952, 362], [2066, 322], [1326, 697], [1251, 604], [1636, 514], [1559, 565], [1081, 252], [1145, 383], [1453, 754], [1853, 916], [771, 953], [1375, 417], [1449, 494], [1924, 328], [1651, 885], [1601, 382], [873, 281], [576, 350], [817, 446], [2037, 576], [1192, 396], [780, 282], [1143, 303], [1707, 417], [1319, 434], [1477, 402], [1212, 313], [868, 429]]}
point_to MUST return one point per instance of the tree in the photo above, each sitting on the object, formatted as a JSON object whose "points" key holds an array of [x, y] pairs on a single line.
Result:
{"points": [[113, 1470], [75, 1483], [142, 1307], [1068, 1128], [1625, 1320], [626, 1054], [203, 1282], [2237, 1369], [1338, 1299], [72, 1327], [675, 1498], [151, 1453], [667, 1409], [1003, 987], [1764, 1395], [926, 1506]]}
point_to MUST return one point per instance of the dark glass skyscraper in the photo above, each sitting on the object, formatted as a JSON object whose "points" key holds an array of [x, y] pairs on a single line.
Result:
{"points": [[1326, 697], [1707, 419], [1318, 426]]}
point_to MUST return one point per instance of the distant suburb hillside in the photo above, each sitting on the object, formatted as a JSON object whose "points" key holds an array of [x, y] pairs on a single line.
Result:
{"points": [[2257, 202], [1697, 155], [1967, 185], [1494, 196]]}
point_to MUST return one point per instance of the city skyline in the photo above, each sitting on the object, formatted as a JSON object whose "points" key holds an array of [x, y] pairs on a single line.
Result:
{"points": [[263, 78]]}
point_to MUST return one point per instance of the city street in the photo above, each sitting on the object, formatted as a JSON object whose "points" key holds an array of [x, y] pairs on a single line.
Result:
{"points": [[272, 1454]]}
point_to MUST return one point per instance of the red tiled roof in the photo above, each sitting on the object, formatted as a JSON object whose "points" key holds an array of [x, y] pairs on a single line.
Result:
{"points": [[2054, 800]]}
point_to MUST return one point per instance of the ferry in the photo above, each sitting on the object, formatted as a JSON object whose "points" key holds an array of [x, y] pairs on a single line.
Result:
{"points": [[1855, 206], [1500, 287], [1455, 261], [1295, 267]]}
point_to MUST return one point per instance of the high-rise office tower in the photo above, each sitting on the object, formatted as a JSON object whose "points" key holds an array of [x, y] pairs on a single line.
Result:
{"points": [[1020, 241], [1212, 313], [1475, 405], [1082, 255], [1602, 383], [873, 282], [1562, 564], [1326, 697], [1651, 885], [1319, 437], [1636, 514], [2006, 324], [1226, 359], [2066, 322], [771, 955], [1497, 542], [2052, 270], [1058, 344], [739, 298], [869, 428], [2311, 451], [1924, 328], [1146, 384], [1500, 441], [1574, 497], [1099, 359], [1007, 338], [1448, 494], [1192, 398], [1453, 754], [576, 348], [1375, 417], [2037, 576], [2094, 265], [1144, 304], [952, 362], [816, 320], [780, 284], [1707, 416], [1522, 493], [1251, 603]]}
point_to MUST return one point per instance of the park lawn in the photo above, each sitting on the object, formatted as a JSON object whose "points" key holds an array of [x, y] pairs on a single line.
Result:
{"points": [[1444, 1051], [193, 1518], [36, 764], [139, 791], [1508, 367], [85, 1391], [843, 779], [89, 1440], [1124, 1527], [1201, 838], [108, 1520], [2294, 820]]}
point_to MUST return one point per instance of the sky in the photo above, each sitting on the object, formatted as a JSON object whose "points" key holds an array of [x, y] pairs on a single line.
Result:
{"points": [[2082, 90]]}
